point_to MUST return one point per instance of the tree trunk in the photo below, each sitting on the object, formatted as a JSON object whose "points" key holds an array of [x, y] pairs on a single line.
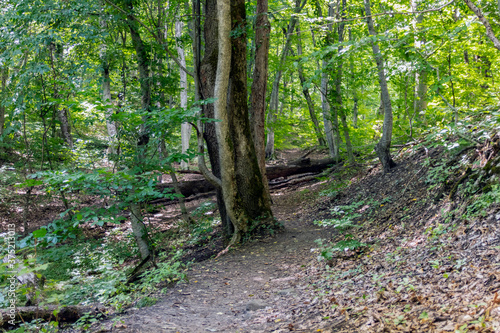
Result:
{"points": [[4, 73], [353, 88], [185, 127], [382, 147], [253, 196], [244, 194], [106, 93], [137, 220], [338, 90], [106, 96], [330, 119], [62, 115], [222, 127], [208, 68], [259, 84], [307, 95], [420, 102]]}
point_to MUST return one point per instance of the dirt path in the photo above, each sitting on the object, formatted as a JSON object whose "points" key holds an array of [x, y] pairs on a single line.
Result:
{"points": [[243, 291]]}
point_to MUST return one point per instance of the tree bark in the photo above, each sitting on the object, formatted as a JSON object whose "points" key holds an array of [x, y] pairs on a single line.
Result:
{"points": [[65, 314], [137, 220], [307, 95], [106, 93], [185, 127], [253, 199], [208, 68], [4, 73], [193, 187], [353, 88], [222, 127], [382, 147], [259, 84], [338, 90], [330, 119], [420, 102]]}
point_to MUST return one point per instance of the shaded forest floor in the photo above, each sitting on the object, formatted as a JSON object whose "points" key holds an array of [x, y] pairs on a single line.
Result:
{"points": [[428, 259], [429, 264]]}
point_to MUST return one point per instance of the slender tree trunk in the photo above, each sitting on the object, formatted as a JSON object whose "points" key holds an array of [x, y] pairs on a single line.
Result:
{"points": [[185, 127], [307, 95], [383, 146], [60, 113], [137, 219], [420, 103], [452, 89], [259, 84], [106, 93], [353, 88], [330, 119], [338, 90], [274, 102], [4, 73]]}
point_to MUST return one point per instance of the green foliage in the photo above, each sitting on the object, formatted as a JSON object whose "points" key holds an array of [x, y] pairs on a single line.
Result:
{"points": [[343, 220]]}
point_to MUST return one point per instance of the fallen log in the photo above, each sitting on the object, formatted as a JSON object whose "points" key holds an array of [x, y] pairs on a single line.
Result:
{"points": [[67, 314], [304, 165]]}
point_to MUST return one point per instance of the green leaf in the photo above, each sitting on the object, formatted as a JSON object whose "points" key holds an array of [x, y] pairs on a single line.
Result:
{"points": [[39, 233]]}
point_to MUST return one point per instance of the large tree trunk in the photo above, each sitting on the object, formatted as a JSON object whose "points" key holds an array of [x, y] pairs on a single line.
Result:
{"points": [[274, 102], [307, 95], [223, 126], [185, 127], [253, 197], [382, 147], [208, 68], [244, 194], [259, 84]]}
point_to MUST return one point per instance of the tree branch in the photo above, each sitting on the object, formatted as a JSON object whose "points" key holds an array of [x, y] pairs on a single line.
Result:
{"points": [[209, 176], [383, 14], [484, 21]]}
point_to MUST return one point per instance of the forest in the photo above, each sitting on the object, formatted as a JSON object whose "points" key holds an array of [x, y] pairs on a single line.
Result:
{"points": [[249, 166]]}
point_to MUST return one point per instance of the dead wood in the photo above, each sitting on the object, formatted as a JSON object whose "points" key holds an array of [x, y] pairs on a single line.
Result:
{"points": [[303, 165], [67, 314]]}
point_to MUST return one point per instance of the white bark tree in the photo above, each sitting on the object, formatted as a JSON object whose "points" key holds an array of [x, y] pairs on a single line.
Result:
{"points": [[185, 127]]}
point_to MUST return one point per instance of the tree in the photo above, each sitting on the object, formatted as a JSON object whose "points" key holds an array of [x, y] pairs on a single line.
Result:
{"points": [[259, 84], [383, 146]]}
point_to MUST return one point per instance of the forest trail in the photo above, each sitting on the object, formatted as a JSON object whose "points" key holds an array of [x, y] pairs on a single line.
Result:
{"points": [[242, 291], [427, 266]]}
